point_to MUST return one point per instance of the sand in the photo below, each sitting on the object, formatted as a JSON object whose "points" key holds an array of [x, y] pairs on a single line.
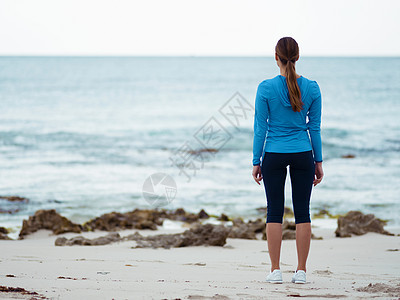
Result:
{"points": [[354, 268]]}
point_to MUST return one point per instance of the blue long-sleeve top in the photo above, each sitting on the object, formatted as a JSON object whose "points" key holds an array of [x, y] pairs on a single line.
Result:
{"points": [[277, 128]]}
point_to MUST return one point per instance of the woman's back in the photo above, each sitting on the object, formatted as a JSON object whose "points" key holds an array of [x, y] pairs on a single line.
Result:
{"points": [[282, 129]]}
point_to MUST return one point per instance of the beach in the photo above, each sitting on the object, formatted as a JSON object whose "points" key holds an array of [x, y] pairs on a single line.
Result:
{"points": [[359, 267], [84, 135], [130, 135]]}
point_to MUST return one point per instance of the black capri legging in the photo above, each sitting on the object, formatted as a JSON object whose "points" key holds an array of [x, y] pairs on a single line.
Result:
{"points": [[302, 171]]}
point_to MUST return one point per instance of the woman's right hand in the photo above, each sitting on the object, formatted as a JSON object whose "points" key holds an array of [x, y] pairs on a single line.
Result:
{"points": [[319, 173], [257, 174]]}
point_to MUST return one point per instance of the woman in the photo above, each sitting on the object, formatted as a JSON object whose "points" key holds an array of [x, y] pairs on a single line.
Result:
{"points": [[282, 107]]}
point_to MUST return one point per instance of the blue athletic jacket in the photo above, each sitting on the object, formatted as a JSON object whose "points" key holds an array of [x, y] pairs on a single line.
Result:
{"points": [[277, 128]]}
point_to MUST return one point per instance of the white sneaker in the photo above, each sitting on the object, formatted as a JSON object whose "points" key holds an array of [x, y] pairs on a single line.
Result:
{"points": [[299, 277], [275, 276]]}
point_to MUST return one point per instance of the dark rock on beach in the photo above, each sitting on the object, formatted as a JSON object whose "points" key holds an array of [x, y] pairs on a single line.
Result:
{"points": [[237, 221], [249, 230], [114, 221], [141, 219], [199, 234], [223, 217], [3, 234], [203, 215], [80, 240], [355, 222], [242, 230], [137, 219], [145, 219], [3, 230], [289, 231], [181, 215], [48, 219]]}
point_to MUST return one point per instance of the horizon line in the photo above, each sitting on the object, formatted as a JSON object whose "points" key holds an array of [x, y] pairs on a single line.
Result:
{"points": [[192, 56]]}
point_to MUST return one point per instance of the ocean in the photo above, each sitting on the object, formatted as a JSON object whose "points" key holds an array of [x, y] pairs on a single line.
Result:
{"points": [[85, 135]]}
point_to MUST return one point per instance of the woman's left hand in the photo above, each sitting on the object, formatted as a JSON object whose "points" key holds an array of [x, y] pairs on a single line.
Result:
{"points": [[257, 174]]}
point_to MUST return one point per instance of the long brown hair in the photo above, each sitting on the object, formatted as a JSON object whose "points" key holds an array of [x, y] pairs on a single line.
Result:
{"points": [[287, 50]]}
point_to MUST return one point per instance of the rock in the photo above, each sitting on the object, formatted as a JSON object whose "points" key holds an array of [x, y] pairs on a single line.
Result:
{"points": [[257, 225], [288, 225], [203, 215], [207, 234], [223, 218], [141, 219], [4, 236], [348, 156], [247, 230], [138, 219], [288, 230], [288, 234], [61, 241], [109, 238], [242, 231], [48, 219], [162, 240], [15, 199], [355, 222], [80, 240], [237, 221], [181, 215], [133, 237], [3, 230]]}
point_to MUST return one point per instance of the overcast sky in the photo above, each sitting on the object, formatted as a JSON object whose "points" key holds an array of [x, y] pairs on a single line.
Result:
{"points": [[205, 27]]}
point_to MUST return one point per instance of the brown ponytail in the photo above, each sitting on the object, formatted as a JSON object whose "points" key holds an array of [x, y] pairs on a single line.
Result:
{"points": [[287, 50]]}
